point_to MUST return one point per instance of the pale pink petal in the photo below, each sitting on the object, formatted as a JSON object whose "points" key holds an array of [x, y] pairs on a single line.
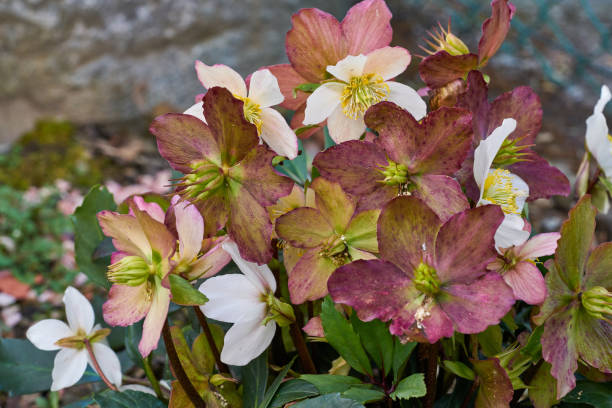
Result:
{"points": [[68, 368], [349, 67], [232, 298], [527, 283], [367, 26], [487, 150], [264, 89], [153, 323], [221, 75], [108, 361], [260, 275], [388, 62], [342, 128], [314, 327], [126, 232], [196, 110], [539, 245], [153, 209], [79, 313], [407, 98], [210, 263], [322, 102], [245, 341], [277, 134], [45, 333], [126, 304], [190, 229]]}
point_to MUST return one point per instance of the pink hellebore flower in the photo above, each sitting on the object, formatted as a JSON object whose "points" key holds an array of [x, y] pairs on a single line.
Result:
{"points": [[263, 93], [359, 82], [518, 269]]}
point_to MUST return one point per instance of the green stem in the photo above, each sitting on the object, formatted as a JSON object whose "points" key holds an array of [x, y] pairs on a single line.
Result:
{"points": [[146, 364]]}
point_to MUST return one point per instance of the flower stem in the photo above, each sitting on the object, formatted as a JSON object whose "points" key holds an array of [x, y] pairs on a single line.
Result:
{"points": [[300, 345], [146, 364], [223, 368], [468, 396], [94, 361], [430, 374], [178, 370]]}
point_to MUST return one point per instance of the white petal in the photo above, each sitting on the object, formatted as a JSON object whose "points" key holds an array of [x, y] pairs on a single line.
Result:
{"points": [[196, 110], [68, 367], [232, 298], [510, 232], [604, 98], [245, 341], [407, 98], [349, 67], [138, 388], [388, 62], [342, 128], [79, 313], [108, 361], [597, 134], [45, 333], [264, 89], [221, 75], [322, 102], [190, 229], [260, 275], [519, 185], [487, 150], [277, 134]]}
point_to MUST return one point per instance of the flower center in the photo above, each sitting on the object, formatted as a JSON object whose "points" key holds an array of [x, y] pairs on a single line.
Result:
{"points": [[598, 303], [362, 92], [498, 189], [396, 174], [336, 250], [511, 152], [252, 112], [204, 180], [130, 271], [280, 312], [78, 340], [426, 279]]}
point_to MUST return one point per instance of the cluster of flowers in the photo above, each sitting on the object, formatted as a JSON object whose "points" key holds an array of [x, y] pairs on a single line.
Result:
{"points": [[416, 216]]}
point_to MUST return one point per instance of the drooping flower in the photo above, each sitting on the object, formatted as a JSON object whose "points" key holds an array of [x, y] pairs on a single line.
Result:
{"points": [[228, 175], [408, 157], [73, 356], [317, 39], [432, 278], [361, 81], [500, 187], [517, 266], [577, 314], [263, 93], [331, 234], [248, 301]]}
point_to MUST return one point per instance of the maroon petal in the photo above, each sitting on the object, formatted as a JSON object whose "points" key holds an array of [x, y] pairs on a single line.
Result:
{"points": [[495, 389], [494, 30], [288, 79], [475, 99], [442, 193], [544, 180], [303, 227], [465, 244], [407, 230], [233, 133], [314, 42], [367, 27], [215, 211], [184, 139], [437, 324], [308, 279], [397, 131], [523, 105], [441, 68], [475, 306]]}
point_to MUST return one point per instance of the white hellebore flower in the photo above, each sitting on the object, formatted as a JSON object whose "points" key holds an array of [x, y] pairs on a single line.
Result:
{"points": [[71, 361], [263, 93], [360, 82], [247, 301], [598, 141], [500, 187]]}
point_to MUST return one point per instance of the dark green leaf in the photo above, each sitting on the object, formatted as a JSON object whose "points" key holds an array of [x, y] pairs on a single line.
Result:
{"points": [[410, 387], [303, 129], [533, 348], [183, 292], [490, 340], [307, 87], [296, 169], [328, 401], [401, 354], [127, 399], [293, 390], [88, 235], [339, 333], [598, 395], [276, 384], [133, 333], [377, 341], [329, 142], [255, 380], [329, 383], [460, 369], [364, 393]]}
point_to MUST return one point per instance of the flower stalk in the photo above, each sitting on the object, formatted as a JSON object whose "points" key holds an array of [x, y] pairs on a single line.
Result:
{"points": [[221, 366], [94, 361], [146, 364], [300, 345]]}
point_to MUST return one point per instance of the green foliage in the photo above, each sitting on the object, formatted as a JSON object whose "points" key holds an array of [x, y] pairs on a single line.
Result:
{"points": [[296, 169], [598, 395], [410, 387], [275, 385], [377, 341], [32, 234], [183, 292], [328, 401], [255, 380], [459, 369], [293, 390], [127, 399], [401, 354]]}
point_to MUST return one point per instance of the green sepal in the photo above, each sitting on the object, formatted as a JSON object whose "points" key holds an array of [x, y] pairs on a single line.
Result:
{"points": [[183, 293], [307, 87]]}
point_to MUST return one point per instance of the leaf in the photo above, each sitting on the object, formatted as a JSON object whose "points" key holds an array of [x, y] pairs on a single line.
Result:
{"points": [[598, 395], [296, 169], [364, 393], [533, 348], [490, 340], [377, 340], [543, 387], [328, 401], [495, 388], [329, 142], [401, 354], [293, 390], [328, 383], [183, 292], [307, 87], [303, 129], [410, 387], [88, 236], [275, 384], [255, 379], [202, 352], [127, 399], [460, 369], [133, 333], [340, 335]]}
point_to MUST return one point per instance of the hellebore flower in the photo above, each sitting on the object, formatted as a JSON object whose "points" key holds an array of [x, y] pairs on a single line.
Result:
{"points": [[317, 39], [360, 82], [515, 154], [228, 175], [71, 361], [517, 266], [262, 94], [577, 314], [144, 246], [407, 158], [500, 187], [432, 277], [331, 234], [248, 301]]}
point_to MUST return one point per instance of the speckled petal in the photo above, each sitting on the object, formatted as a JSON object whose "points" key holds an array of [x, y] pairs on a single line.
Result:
{"points": [[303, 227], [494, 30], [367, 26], [308, 279], [441, 68], [442, 193]]}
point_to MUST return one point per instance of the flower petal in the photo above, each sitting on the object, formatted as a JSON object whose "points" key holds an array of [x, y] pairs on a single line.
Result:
{"points": [[361, 232], [68, 368], [494, 30], [126, 232], [441, 68], [79, 313], [153, 209], [598, 267], [156, 317], [367, 26], [539, 245], [245, 341], [342, 128], [260, 275], [348, 67], [527, 283], [45, 333], [211, 262], [594, 341], [277, 134], [303, 227], [222, 76], [157, 234], [522, 104], [442, 193], [126, 304], [232, 298], [264, 89], [108, 361], [322, 103], [437, 324], [487, 150], [336, 206], [597, 134], [190, 229], [510, 232], [196, 110], [543, 179], [475, 99], [407, 98], [288, 79], [308, 278]]}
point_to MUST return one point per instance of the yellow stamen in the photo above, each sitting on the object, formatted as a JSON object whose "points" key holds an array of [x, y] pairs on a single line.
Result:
{"points": [[498, 189], [362, 92], [252, 112]]}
